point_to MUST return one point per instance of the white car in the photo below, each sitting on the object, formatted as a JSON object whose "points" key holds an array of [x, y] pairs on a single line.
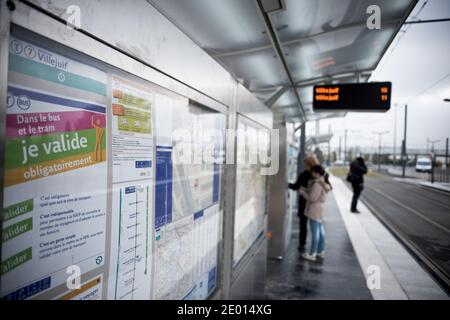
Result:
{"points": [[424, 165]]}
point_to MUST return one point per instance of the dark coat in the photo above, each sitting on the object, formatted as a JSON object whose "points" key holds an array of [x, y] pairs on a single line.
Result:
{"points": [[302, 181], [357, 170]]}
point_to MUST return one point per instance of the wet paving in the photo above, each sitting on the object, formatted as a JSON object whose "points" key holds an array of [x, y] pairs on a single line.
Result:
{"points": [[338, 276]]}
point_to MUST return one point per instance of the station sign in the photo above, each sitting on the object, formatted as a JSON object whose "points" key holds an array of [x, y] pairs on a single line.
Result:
{"points": [[367, 97]]}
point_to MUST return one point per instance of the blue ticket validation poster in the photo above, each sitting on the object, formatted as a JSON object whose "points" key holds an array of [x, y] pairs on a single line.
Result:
{"points": [[216, 183], [163, 197]]}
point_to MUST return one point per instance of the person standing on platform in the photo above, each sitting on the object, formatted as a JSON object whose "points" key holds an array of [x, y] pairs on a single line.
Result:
{"points": [[355, 176], [316, 196], [302, 181]]}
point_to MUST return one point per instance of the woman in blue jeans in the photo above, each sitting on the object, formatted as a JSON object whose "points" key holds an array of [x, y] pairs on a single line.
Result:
{"points": [[315, 196]]}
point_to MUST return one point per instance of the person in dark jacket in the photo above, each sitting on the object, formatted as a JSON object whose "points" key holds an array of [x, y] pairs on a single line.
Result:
{"points": [[356, 177], [302, 181]]}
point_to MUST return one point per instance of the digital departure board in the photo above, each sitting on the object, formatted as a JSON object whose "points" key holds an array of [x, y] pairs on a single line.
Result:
{"points": [[373, 96]]}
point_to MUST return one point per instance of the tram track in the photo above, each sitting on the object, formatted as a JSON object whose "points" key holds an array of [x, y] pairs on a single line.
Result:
{"points": [[426, 194], [430, 264], [412, 210]]}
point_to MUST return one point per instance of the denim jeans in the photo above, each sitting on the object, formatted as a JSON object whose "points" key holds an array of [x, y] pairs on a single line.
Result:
{"points": [[317, 236], [303, 229]]}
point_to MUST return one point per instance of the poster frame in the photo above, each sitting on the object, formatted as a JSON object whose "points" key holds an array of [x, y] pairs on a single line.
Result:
{"points": [[110, 70]]}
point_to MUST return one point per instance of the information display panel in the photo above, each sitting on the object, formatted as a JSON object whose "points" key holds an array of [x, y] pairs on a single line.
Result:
{"points": [[372, 96]]}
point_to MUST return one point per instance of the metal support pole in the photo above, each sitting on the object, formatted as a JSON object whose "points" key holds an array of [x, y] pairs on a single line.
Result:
{"points": [[379, 153], [433, 165], [433, 142], [329, 148], [404, 155], [402, 160], [345, 146], [339, 152], [302, 153], [379, 147], [394, 151], [446, 153], [5, 23], [226, 258]]}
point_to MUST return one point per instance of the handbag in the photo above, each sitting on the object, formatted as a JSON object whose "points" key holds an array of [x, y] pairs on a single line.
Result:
{"points": [[350, 177]]}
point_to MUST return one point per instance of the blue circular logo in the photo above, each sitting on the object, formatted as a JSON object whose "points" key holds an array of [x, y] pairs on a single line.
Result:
{"points": [[23, 102], [9, 100], [61, 77], [30, 52], [16, 47], [99, 260]]}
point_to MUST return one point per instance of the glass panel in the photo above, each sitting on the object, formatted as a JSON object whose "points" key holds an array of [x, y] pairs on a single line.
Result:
{"points": [[216, 25], [258, 69], [338, 52], [303, 18], [110, 173], [250, 187], [287, 99]]}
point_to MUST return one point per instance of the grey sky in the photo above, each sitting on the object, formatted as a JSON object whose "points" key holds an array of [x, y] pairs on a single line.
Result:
{"points": [[420, 58]]}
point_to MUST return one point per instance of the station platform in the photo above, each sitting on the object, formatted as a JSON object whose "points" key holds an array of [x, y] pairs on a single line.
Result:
{"points": [[356, 245], [445, 187]]}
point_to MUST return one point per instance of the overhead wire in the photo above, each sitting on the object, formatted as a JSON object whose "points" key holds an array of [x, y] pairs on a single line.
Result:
{"points": [[401, 34], [429, 87]]}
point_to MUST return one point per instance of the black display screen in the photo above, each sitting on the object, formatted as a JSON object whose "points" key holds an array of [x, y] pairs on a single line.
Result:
{"points": [[372, 96]]}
